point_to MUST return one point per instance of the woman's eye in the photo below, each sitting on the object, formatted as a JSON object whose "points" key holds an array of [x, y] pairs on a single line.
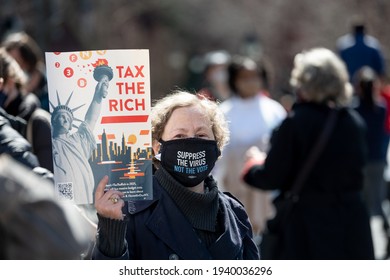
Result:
{"points": [[179, 136], [202, 135]]}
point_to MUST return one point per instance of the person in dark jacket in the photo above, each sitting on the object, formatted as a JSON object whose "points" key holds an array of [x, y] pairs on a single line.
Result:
{"points": [[17, 102], [373, 110], [358, 49], [330, 220], [188, 218], [13, 98], [34, 225], [15, 145]]}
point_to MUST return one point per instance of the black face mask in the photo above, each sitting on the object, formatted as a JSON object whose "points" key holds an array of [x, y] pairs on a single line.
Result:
{"points": [[189, 160]]}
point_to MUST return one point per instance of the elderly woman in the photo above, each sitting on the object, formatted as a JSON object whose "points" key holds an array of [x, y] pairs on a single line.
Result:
{"points": [[329, 221], [188, 218]]}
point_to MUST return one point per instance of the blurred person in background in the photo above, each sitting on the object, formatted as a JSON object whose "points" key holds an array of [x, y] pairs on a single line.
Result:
{"points": [[329, 219], [18, 103], [215, 84], [15, 145], [28, 55], [13, 97], [385, 93], [16, 123], [251, 116], [373, 110], [33, 224], [358, 49]]}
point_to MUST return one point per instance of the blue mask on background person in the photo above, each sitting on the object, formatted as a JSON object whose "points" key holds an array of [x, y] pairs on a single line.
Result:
{"points": [[189, 160]]}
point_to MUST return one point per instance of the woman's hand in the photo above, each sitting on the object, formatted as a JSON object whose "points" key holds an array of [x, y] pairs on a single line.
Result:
{"points": [[253, 154], [108, 204]]}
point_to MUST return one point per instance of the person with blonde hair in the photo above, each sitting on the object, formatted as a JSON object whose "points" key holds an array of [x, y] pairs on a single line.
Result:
{"points": [[329, 219], [188, 218]]}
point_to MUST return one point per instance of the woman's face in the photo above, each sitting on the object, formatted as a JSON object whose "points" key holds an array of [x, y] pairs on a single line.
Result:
{"points": [[187, 122], [15, 53], [247, 83]]}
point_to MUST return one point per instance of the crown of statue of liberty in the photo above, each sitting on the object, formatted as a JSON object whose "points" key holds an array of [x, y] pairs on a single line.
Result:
{"points": [[65, 107]]}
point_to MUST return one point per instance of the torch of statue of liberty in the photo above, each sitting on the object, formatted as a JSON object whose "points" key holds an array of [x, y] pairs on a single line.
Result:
{"points": [[102, 74], [73, 175]]}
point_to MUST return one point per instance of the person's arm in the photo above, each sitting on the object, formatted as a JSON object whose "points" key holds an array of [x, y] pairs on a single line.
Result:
{"points": [[94, 109], [110, 241], [15, 145], [16, 123], [276, 170], [250, 250]]}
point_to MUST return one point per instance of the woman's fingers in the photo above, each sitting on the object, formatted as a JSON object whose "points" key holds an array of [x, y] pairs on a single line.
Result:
{"points": [[100, 188], [108, 204]]}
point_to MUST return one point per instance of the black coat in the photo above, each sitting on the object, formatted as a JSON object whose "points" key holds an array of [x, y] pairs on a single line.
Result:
{"points": [[158, 230], [15, 145], [330, 220]]}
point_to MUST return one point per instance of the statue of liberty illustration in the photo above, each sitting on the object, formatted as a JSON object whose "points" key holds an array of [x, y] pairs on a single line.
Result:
{"points": [[74, 179]]}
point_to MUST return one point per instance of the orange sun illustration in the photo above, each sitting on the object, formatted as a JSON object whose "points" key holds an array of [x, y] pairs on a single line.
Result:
{"points": [[132, 139]]}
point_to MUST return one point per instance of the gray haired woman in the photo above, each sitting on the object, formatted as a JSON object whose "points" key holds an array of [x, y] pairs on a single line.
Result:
{"points": [[188, 218], [329, 221]]}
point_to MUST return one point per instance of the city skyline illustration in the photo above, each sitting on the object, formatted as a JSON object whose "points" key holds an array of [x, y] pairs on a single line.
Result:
{"points": [[122, 157]]}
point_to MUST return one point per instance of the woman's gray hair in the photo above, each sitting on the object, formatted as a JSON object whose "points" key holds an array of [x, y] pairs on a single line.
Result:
{"points": [[163, 108], [319, 75]]}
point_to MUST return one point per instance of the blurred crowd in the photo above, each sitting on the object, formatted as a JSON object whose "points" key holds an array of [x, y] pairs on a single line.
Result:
{"points": [[278, 126]]}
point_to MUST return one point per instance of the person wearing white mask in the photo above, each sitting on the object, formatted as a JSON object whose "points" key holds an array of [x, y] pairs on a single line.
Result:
{"points": [[251, 115]]}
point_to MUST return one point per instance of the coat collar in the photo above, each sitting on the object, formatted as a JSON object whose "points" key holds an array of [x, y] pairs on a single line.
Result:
{"points": [[230, 243], [175, 231], [170, 225]]}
